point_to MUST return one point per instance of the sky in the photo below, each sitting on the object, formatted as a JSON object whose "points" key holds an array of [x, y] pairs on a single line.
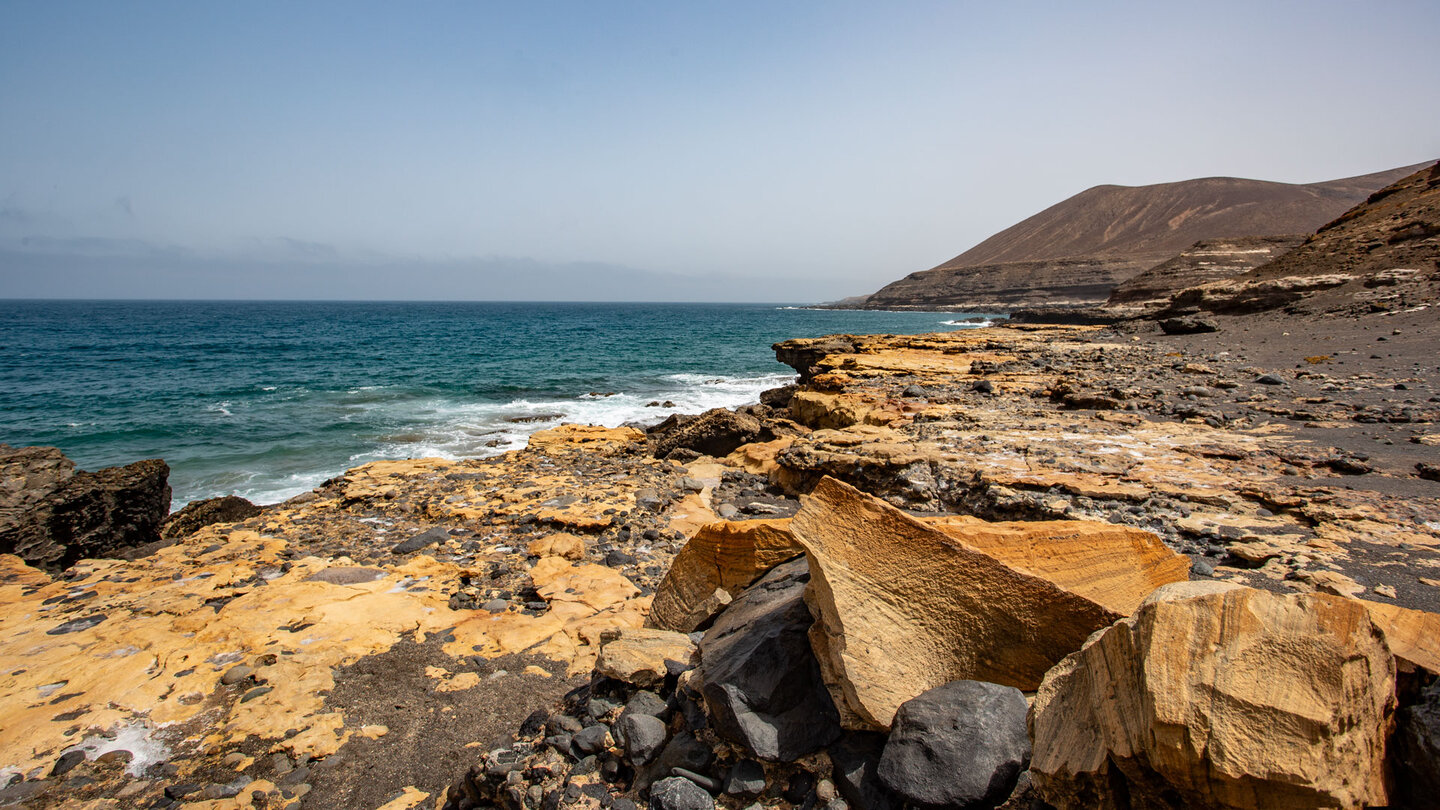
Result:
{"points": [[737, 151]]}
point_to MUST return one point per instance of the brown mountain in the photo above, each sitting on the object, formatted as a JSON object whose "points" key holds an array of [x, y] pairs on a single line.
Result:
{"points": [[1383, 255], [1077, 251]]}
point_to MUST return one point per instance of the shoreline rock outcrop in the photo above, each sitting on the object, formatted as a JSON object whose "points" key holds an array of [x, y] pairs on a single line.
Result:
{"points": [[52, 515]]}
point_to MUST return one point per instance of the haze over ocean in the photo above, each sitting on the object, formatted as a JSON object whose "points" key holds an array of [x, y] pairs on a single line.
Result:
{"points": [[267, 400], [644, 151]]}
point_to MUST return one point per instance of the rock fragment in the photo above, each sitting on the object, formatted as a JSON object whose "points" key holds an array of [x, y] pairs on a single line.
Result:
{"points": [[717, 432], [676, 793], [959, 745], [761, 681], [426, 538], [644, 656], [198, 514], [903, 607], [1214, 695], [722, 559]]}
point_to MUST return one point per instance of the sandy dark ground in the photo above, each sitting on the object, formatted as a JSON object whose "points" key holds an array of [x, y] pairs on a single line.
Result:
{"points": [[434, 736], [1401, 349]]}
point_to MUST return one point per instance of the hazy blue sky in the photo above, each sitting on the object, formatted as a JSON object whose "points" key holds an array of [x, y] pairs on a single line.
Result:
{"points": [[591, 150]]}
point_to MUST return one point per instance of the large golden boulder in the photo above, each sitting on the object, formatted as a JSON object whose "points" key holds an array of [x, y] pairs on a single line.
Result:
{"points": [[902, 606], [1215, 695]]}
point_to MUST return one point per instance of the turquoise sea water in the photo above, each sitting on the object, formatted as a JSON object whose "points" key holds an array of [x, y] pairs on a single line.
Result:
{"points": [[267, 400]]}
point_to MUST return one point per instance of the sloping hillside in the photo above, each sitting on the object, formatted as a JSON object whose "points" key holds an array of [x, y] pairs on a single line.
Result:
{"points": [[1381, 256], [1108, 234], [1204, 261]]}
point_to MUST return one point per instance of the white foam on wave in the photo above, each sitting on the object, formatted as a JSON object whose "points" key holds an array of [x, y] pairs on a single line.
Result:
{"points": [[969, 324], [449, 429], [457, 429]]}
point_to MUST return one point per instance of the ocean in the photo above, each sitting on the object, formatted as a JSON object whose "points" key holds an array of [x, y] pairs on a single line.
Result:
{"points": [[266, 400]]}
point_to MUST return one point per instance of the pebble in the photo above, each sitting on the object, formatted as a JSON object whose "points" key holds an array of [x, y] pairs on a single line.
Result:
{"points": [[593, 739], [67, 760], [119, 755], [678, 793], [237, 674], [746, 778]]}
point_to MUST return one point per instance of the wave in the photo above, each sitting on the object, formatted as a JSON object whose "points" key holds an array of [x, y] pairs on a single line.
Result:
{"points": [[970, 324], [441, 427]]}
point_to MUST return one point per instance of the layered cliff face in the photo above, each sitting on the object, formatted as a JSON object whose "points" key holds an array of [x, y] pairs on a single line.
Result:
{"points": [[1002, 287], [1383, 255], [1079, 250], [1204, 261]]}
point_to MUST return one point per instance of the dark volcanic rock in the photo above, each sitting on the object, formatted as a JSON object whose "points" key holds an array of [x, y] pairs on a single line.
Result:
{"points": [[641, 735], [421, 540], [1415, 750], [716, 432], [778, 398], [676, 793], [762, 682], [51, 516], [960, 745], [856, 758], [1187, 326], [199, 514]]}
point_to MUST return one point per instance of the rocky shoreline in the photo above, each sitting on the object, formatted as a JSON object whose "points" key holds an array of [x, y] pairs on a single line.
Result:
{"points": [[996, 567]]}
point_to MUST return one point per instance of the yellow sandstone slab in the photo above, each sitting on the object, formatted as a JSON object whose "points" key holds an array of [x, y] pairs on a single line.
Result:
{"points": [[902, 607]]}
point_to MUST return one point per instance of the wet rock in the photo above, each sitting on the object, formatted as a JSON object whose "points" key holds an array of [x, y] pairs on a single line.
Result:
{"points": [[958, 745], [1270, 379], [198, 514], [1239, 671], [716, 432], [761, 681]]}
